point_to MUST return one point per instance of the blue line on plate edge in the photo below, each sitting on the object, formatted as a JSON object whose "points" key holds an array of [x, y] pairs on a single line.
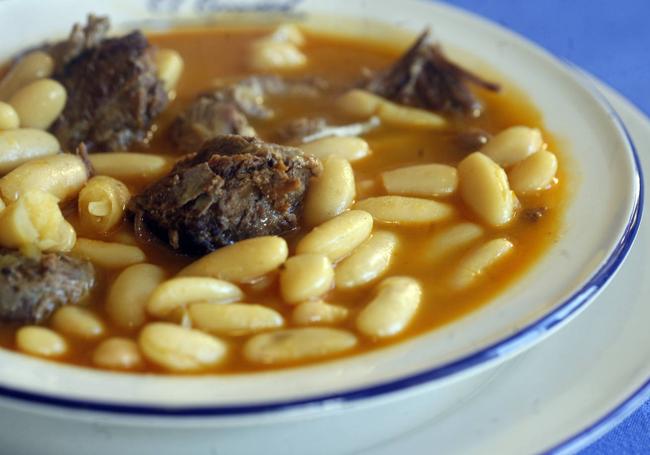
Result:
{"points": [[502, 347], [638, 397]]}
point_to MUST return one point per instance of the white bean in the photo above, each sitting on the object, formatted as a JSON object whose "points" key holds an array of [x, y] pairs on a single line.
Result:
{"points": [[405, 210], [318, 312], [24, 144], [452, 239], [293, 345], [9, 119], [535, 173], [33, 66], [409, 117], [271, 55], [289, 33], [40, 341], [331, 193], [351, 148], [484, 188], [337, 237], [39, 103], [513, 145], [422, 180], [367, 262], [35, 220], [129, 293], [180, 349], [234, 318], [392, 309], [78, 322], [117, 354], [305, 276], [169, 65], [62, 175], [359, 103], [127, 166], [125, 237], [108, 255], [101, 203], [475, 264], [243, 261], [182, 291]]}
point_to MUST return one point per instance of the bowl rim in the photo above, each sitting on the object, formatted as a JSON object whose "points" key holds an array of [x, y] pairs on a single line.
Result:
{"points": [[502, 348]]}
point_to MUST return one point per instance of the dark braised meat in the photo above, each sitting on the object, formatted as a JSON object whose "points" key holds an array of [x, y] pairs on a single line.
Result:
{"points": [[250, 94], [113, 91], [308, 129], [423, 77], [296, 129], [226, 109], [31, 289], [206, 118], [79, 40], [234, 188]]}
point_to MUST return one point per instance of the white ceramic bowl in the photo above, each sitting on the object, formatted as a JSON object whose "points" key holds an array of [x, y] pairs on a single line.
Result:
{"points": [[395, 387]]}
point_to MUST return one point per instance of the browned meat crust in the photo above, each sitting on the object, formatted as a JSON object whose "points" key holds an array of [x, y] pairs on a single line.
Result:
{"points": [[114, 93], [31, 289], [80, 39], [423, 77], [227, 109], [206, 118], [234, 188]]}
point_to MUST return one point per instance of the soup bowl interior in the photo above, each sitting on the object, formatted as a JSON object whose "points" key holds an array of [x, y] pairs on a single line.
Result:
{"points": [[599, 226]]}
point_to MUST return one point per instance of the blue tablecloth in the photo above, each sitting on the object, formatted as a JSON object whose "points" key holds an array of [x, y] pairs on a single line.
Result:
{"points": [[611, 40]]}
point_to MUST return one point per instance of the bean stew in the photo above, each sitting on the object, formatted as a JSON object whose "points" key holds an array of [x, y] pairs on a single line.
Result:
{"points": [[234, 199]]}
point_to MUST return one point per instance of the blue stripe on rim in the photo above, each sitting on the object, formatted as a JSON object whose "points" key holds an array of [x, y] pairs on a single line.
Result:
{"points": [[504, 347], [606, 423], [636, 399]]}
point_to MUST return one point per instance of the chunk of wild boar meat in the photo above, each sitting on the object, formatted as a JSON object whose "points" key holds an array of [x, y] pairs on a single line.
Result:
{"points": [[206, 118], [114, 93], [227, 109], [234, 188], [79, 40], [31, 289], [424, 78]]}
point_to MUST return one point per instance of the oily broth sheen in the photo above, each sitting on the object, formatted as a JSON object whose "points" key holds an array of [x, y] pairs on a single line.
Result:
{"points": [[211, 54]]}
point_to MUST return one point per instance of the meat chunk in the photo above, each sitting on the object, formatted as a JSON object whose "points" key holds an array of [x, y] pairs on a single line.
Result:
{"points": [[227, 109], [114, 93], [80, 40], [250, 94], [295, 130], [31, 289], [206, 118], [234, 188], [423, 77]]}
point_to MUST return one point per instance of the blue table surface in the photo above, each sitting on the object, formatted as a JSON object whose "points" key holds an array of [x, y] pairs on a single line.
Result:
{"points": [[611, 40]]}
